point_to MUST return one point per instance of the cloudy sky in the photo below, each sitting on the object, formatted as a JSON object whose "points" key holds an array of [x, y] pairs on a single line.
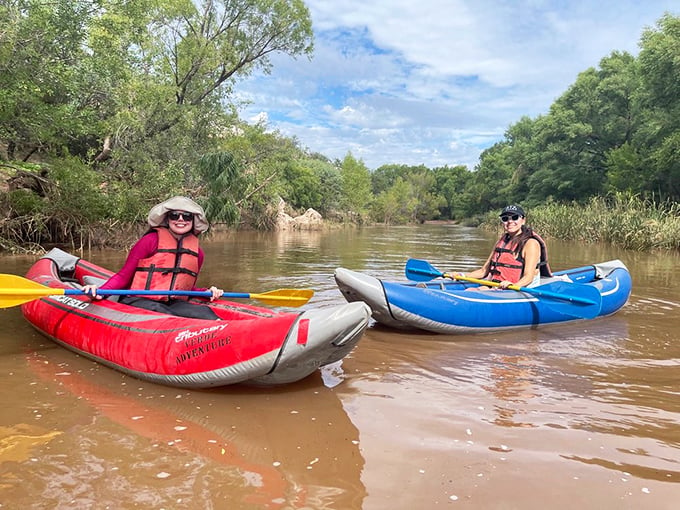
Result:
{"points": [[436, 82]]}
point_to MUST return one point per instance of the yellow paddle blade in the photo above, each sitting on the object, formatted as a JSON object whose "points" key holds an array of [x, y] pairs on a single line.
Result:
{"points": [[12, 282], [15, 290], [285, 297]]}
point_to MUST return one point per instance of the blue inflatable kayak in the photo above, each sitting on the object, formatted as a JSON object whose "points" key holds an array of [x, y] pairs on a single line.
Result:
{"points": [[450, 307]]}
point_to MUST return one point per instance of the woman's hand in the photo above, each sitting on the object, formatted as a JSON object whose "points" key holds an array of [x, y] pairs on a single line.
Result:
{"points": [[91, 290], [504, 284], [216, 293]]}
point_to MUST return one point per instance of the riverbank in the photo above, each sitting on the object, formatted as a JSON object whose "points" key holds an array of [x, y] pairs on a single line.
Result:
{"points": [[621, 220]]}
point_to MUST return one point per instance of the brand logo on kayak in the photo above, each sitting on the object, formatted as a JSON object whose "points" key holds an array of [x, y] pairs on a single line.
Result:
{"points": [[207, 347], [72, 302], [186, 335]]}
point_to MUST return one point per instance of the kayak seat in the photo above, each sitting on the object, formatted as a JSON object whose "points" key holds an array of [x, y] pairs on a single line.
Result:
{"points": [[559, 278]]}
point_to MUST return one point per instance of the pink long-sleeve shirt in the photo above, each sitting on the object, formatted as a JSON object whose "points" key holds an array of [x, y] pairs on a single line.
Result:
{"points": [[144, 248]]}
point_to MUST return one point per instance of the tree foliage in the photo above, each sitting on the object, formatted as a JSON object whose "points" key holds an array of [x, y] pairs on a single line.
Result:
{"points": [[109, 106], [616, 129], [356, 187], [139, 92]]}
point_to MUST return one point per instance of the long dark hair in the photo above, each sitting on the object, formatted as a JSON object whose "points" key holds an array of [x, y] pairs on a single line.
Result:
{"points": [[518, 241]]}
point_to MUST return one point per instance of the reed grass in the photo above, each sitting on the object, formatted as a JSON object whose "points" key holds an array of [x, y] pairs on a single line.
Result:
{"points": [[623, 220]]}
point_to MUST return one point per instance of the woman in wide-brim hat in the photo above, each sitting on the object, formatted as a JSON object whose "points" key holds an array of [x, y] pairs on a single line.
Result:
{"points": [[167, 257], [158, 213]]}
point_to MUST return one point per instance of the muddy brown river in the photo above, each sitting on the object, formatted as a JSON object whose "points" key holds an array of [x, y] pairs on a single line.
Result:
{"points": [[583, 415]]}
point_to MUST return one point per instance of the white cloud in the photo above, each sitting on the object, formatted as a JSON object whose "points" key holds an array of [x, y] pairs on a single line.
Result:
{"points": [[435, 82]]}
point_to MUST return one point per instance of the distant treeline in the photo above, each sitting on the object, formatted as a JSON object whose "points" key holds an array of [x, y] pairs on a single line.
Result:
{"points": [[108, 107]]}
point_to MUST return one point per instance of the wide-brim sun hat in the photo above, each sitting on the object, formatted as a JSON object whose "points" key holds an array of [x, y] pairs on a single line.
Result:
{"points": [[157, 214]]}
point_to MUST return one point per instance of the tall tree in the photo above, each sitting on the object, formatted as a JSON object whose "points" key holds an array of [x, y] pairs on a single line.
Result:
{"points": [[188, 61], [426, 201], [206, 45], [450, 184], [356, 186], [43, 107], [263, 158], [330, 183], [395, 205], [660, 71], [302, 185]]}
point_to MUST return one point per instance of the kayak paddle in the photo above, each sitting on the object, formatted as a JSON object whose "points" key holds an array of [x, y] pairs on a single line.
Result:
{"points": [[587, 299], [15, 290]]}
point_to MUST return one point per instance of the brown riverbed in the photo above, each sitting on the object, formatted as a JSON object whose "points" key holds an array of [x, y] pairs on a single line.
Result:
{"points": [[583, 415]]}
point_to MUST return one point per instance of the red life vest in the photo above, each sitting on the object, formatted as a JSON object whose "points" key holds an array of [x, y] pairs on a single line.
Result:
{"points": [[174, 266], [505, 265]]}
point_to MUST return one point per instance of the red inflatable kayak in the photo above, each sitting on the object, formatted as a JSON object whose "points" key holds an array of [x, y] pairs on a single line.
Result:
{"points": [[249, 343]]}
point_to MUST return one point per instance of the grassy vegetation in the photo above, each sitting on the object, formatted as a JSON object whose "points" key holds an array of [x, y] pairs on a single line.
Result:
{"points": [[80, 211], [623, 220]]}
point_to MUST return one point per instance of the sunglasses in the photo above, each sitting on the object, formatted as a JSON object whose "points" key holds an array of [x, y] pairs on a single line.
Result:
{"points": [[176, 215], [513, 217]]}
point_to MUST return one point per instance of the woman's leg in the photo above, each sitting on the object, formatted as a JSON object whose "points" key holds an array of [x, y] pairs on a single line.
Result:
{"points": [[147, 304], [186, 309], [177, 307]]}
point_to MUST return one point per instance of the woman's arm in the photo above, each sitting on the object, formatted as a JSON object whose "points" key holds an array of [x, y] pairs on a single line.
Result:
{"points": [[531, 254]]}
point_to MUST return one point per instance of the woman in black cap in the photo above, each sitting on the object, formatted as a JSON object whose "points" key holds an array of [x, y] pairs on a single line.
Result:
{"points": [[518, 258]]}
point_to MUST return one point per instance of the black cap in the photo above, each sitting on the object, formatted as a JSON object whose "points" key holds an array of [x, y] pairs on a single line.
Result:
{"points": [[512, 209]]}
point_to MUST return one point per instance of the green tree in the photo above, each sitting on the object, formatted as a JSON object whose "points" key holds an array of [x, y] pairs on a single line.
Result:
{"points": [[356, 186], [142, 90], [625, 165], [264, 160], [426, 204], [302, 185], [666, 160], [329, 183], [658, 138], [484, 190], [42, 105], [450, 184], [565, 155], [224, 186], [384, 177], [394, 206], [192, 55], [207, 45]]}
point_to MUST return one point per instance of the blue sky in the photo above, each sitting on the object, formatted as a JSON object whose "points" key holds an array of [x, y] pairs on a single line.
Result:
{"points": [[436, 82]]}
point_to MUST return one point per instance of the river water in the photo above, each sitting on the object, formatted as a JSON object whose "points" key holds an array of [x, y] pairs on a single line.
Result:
{"points": [[583, 415]]}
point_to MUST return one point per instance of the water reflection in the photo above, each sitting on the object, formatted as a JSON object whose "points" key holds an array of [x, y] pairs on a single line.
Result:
{"points": [[513, 387], [579, 377], [632, 469], [293, 448], [18, 441], [576, 415]]}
